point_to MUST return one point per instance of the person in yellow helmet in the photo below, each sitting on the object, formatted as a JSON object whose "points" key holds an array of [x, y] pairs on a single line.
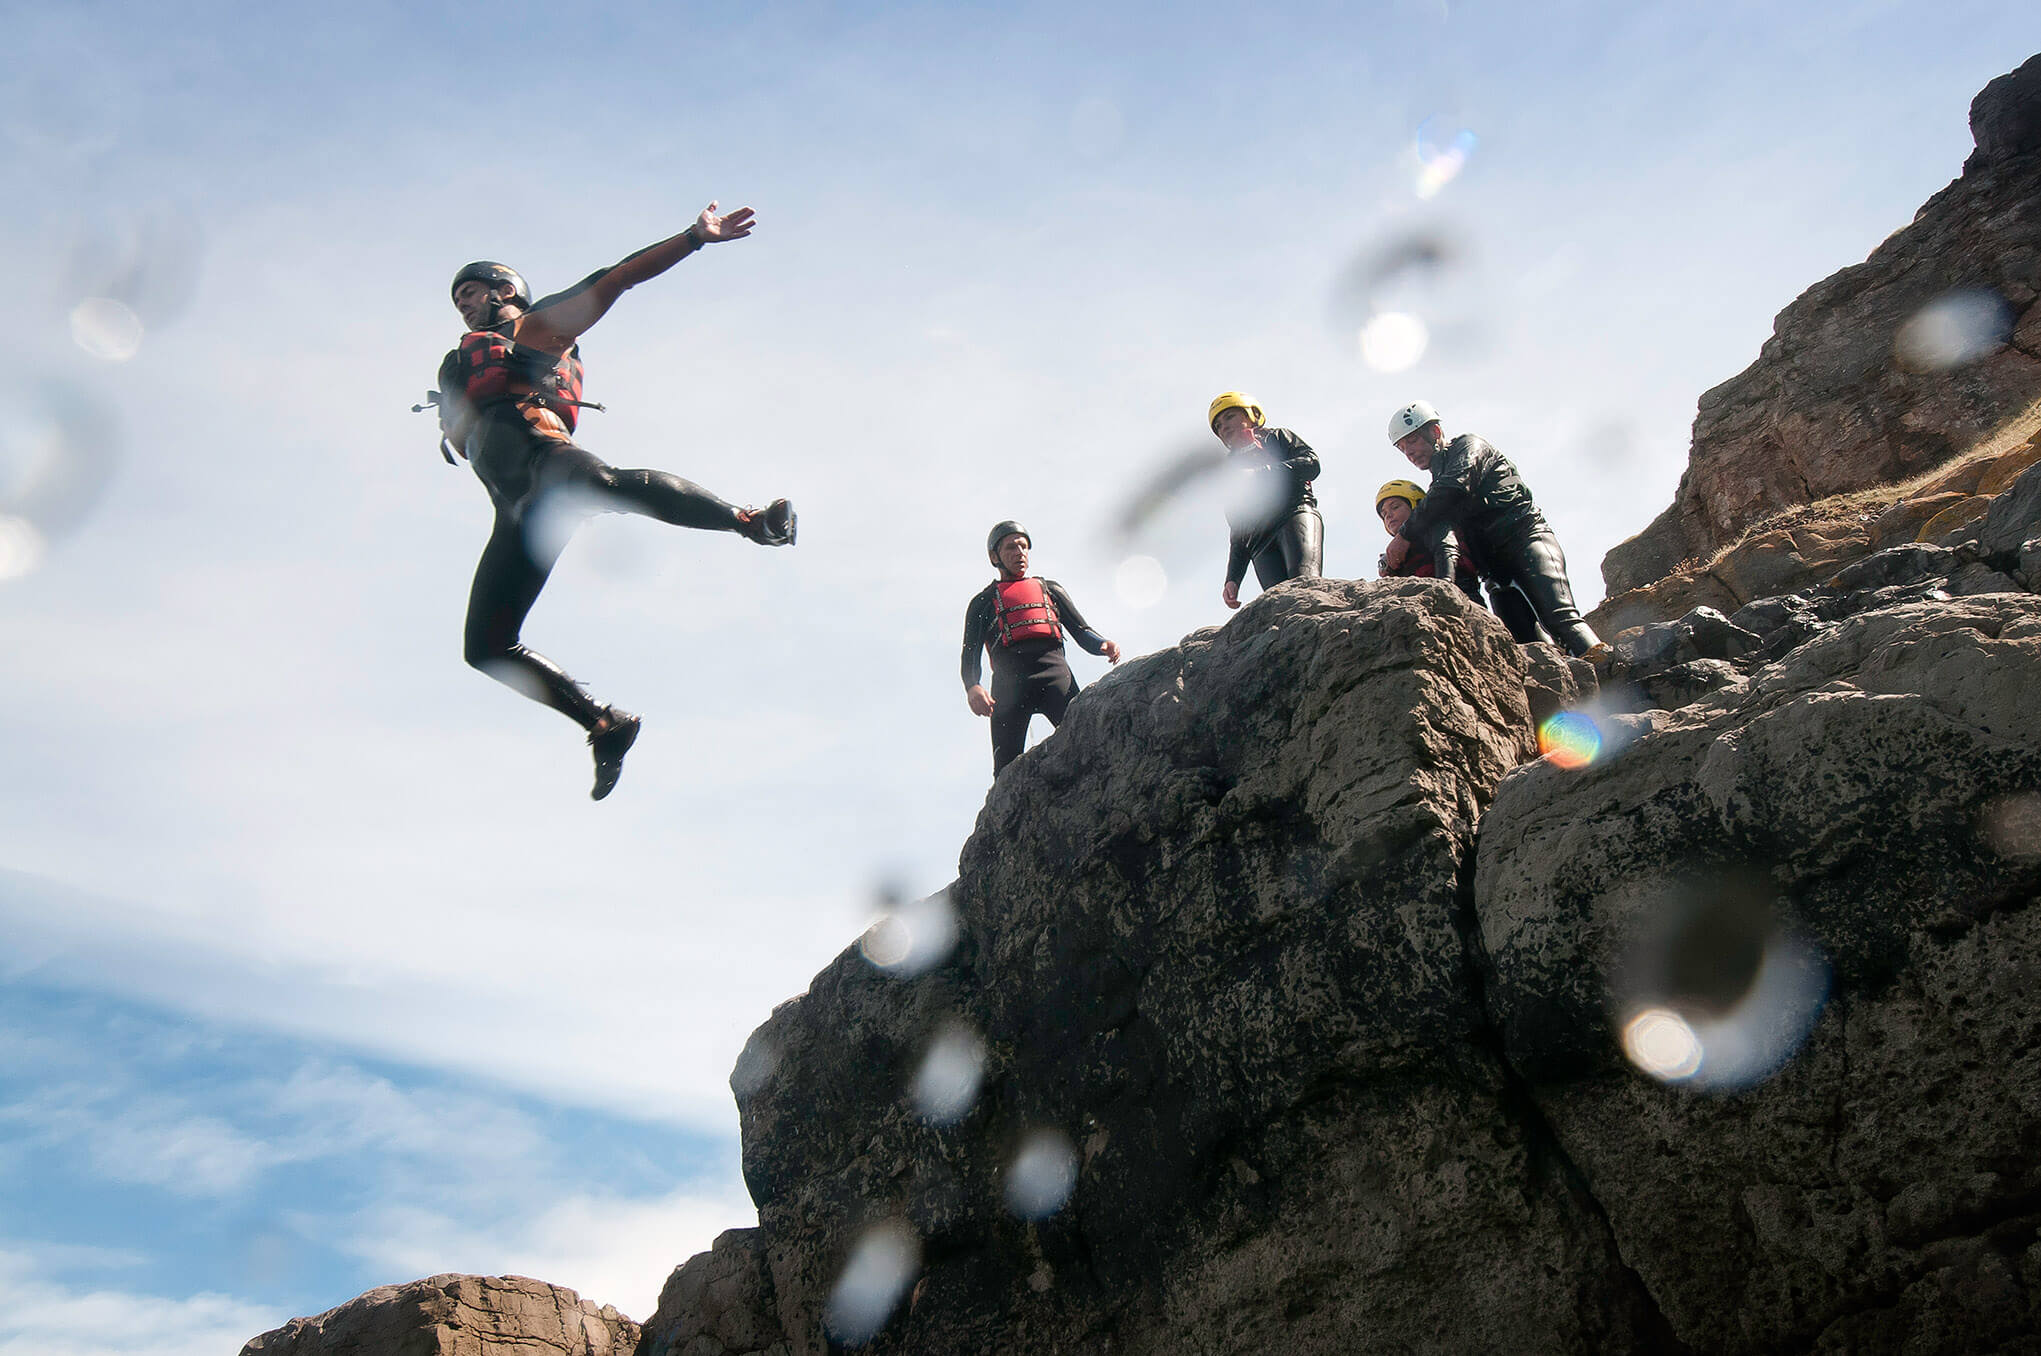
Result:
{"points": [[1394, 503], [1272, 516]]}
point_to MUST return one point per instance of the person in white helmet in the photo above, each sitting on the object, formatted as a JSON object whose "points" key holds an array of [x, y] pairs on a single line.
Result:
{"points": [[1476, 493]]}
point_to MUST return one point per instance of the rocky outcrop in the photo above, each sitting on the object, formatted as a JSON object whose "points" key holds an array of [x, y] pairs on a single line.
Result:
{"points": [[1844, 395], [457, 1316], [1878, 1194], [1213, 939]]}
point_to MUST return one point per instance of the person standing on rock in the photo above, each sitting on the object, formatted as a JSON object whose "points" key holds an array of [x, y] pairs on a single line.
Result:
{"points": [[1020, 621], [509, 398], [1394, 503], [1272, 515], [1477, 495]]}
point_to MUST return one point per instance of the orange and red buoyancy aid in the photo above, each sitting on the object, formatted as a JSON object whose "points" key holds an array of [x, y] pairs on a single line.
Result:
{"points": [[1022, 610], [492, 368]]}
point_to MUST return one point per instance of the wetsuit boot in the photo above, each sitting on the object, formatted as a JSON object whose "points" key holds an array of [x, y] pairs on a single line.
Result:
{"points": [[773, 525], [609, 747]]}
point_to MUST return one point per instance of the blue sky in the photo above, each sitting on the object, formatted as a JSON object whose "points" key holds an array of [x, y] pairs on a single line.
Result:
{"points": [[321, 970]]}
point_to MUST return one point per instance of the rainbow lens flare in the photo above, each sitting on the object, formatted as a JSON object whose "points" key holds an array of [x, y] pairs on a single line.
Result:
{"points": [[1570, 739]]}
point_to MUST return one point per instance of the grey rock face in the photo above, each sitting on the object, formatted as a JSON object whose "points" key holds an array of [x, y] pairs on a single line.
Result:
{"points": [[718, 1303], [1830, 405], [457, 1316], [1211, 935], [1881, 787], [2014, 516]]}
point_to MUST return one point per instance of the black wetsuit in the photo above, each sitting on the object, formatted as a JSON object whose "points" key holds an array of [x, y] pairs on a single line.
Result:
{"points": [[1476, 493], [1027, 676], [1274, 521], [523, 451], [1505, 600]]}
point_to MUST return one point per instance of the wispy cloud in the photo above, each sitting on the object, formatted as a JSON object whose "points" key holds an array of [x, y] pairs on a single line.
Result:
{"points": [[43, 1316]]}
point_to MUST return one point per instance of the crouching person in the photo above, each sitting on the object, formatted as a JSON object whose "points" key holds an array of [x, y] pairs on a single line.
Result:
{"points": [[1394, 503]]}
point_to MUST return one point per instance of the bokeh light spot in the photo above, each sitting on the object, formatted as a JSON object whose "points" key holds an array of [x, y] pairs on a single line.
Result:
{"points": [[1659, 1041], [21, 547], [947, 1082], [1140, 581], [874, 1278], [1570, 740], [1442, 152], [1394, 341], [106, 329], [1954, 329], [914, 938], [1042, 1175], [2012, 825]]}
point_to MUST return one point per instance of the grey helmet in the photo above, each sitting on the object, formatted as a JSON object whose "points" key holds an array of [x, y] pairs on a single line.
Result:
{"points": [[1000, 532]]}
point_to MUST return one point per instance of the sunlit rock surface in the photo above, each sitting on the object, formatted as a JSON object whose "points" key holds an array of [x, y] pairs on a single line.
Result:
{"points": [[1885, 369], [454, 1316]]}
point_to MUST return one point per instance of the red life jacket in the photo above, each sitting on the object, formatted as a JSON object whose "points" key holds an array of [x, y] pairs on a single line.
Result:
{"points": [[1021, 610], [493, 368]]}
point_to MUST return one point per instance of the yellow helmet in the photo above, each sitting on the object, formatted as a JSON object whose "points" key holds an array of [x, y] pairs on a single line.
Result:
{"points": [[1406, 490], [1235, 400]]}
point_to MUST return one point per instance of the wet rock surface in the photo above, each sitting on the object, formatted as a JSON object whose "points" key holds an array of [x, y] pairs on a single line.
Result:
{"points": [[1834, 401], [456, 1316]]}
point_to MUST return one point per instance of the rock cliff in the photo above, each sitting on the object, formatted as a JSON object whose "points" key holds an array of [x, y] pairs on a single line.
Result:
{"points": [[1884, 370]]}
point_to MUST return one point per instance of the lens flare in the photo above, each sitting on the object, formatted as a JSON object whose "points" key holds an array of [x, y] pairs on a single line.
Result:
{"points": [[1571, 740], [21, 547], [883, 1262], [1659, 1041], [106, 329], [1140, 581], [914, 938], [1042, 1175], [1394, 341], [1442, 152], [947, 1082], [1954, 329]]}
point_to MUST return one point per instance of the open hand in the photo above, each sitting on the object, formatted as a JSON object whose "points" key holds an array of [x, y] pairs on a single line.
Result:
{"points": [[981, 700], [711, 227]]}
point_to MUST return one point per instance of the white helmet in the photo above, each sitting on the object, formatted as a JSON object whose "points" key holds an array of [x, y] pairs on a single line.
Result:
{"points": [[1411, 418]]}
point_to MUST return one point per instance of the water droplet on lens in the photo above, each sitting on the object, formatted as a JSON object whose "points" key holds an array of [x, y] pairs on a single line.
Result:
{"points": [[874, 1278], [2012, 826], [1394, 341], [21, 547], [1042, 1175], [1955, 328], [106, 329], [1140, 581], [1660, 1042], [1570, 740], [913, 939], [947, 1083]]}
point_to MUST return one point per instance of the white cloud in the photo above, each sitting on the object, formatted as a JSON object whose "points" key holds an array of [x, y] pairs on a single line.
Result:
{"points": [[44, 1317], [608, 1249]]}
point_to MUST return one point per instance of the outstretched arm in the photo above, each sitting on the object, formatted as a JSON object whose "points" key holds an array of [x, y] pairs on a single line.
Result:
{"points": [[557, 321]]}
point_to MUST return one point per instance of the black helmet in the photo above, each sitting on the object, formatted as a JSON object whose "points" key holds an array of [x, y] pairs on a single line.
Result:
{"points": [[1001, 531], [494, 274]]}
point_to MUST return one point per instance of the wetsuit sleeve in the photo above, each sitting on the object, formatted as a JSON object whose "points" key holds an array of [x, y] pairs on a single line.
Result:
{"points": [[1236, 559], [556, 321], [1073, 620], [1297, 456], [1452, 470], [977, 622]]}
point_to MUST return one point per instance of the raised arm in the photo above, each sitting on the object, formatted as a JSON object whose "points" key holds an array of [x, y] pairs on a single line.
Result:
{"points": [[555, 322]]}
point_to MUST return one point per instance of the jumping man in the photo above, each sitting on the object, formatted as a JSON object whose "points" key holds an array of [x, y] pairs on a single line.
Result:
{"points": [[509, 398]]}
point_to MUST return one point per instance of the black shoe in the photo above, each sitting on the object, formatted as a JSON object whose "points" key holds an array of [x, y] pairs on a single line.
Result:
{"points": [[609, 748], [772, 525]]}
